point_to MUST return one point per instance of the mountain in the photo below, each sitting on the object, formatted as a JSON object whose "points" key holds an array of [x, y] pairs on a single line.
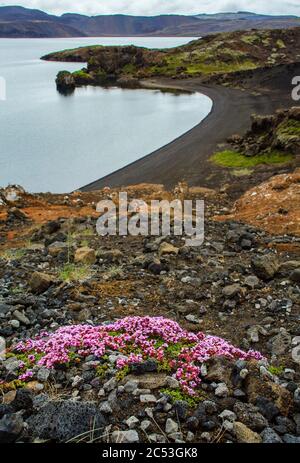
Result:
{"points": [[17, 21]]}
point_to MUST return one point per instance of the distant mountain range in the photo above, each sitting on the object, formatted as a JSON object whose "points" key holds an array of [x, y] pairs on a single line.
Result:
{"points": [[19, 22]]}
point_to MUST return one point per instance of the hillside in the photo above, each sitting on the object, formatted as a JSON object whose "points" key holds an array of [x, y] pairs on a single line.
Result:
{"points": [[20, 22], [213, 55]]}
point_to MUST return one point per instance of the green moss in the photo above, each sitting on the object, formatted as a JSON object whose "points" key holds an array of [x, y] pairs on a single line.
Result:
{"points": [[13, 254], [280, 44], [289, 129], [251, 39], [122, 373], [242, 172], [277, 371], [177, 395], [129, 69], [102, 370], [82, 77], [233, 159], [11, 386]]}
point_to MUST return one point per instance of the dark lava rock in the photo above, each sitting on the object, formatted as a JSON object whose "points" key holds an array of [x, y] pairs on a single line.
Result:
{"points": [[23, 400], [269, 436], [181, 409], [11, 427], [267, 408], [63, 420], [146, 367]]}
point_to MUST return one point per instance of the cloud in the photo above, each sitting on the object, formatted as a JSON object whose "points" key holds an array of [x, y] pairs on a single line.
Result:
{"points": [[153, 7]]}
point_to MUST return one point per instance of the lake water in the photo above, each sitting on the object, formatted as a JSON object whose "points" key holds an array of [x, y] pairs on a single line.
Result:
{"points": [[50, 142]]}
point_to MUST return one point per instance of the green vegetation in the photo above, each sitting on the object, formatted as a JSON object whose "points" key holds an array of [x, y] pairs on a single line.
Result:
{"points": [[280, 44], [11, 386], [233, 159], [289, 129], [177, 395], [82, 76], [122, 373], [277, 371], [72, 272], [13, 254], [102, 370]]}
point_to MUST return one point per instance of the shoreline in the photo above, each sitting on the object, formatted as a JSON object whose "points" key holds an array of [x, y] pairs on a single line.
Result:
{"points": [[187, 157]]}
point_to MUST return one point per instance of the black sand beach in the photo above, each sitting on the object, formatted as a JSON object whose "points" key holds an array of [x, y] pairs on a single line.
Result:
{"points": [[187, 157]]}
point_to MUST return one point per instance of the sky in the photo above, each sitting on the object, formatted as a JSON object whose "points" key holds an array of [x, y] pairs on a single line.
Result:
{"points": [[154, 7]]}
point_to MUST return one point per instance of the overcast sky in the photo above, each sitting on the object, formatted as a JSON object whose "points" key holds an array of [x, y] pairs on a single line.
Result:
{"points": [[153, 7]]}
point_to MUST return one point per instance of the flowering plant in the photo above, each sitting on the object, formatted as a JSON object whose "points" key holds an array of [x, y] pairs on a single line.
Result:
{"points": [[137, 339]]}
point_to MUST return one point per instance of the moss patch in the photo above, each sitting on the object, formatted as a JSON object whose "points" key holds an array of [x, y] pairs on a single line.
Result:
{"points": [[233, 159], [289, 129]]}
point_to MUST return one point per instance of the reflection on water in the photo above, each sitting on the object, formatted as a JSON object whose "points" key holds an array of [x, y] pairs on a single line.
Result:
{"points": [[55, 142]]}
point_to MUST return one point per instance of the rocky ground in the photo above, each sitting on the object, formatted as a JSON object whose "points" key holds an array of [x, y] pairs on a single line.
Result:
{"points": [[242, 285]]}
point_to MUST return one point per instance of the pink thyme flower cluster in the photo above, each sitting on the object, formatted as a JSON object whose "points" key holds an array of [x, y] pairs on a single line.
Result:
{"points": [[137, 339]]}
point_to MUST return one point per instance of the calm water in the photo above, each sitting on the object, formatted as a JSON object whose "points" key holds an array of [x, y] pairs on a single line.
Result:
{"points": [[49, 142]]}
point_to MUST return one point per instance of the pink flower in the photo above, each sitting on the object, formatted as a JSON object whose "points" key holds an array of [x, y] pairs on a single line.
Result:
{"points": [[136, 338]]}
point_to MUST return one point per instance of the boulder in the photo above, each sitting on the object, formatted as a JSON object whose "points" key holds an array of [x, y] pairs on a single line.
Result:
{"points": [[244, 435], [11, 427], [265, 267], [167, 249], [40, 282], [85, 256], [65, 419]]}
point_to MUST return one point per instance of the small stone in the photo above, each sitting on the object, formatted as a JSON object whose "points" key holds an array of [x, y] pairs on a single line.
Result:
{"points": [[85, 255], [244, 373], [228, 425], [132, 422], [145, 424], [265, 267], [269, 436], [15, 324], [295, 276], [105, 408], [172, 383], [130, 386], [252, 281], [245, 435], [147, 398], [296, 355], [21, 317], [125, 437], [252, 334], [171, 426], [167, 248], [222, 390], [110, 384], [193, 319], [43, 374], [40, 282], [228, 415], [280, 343], [231, 290], [290, 439]]}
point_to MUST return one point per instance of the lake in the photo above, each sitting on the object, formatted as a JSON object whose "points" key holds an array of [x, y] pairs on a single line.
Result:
{"points": [[51, 142]]}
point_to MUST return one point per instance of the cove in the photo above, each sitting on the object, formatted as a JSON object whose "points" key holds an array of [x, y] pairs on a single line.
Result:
{"points": [[51, 142]]}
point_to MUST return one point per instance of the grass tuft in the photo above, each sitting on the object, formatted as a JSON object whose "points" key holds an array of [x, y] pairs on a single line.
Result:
{"points": [[72, 272]]}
